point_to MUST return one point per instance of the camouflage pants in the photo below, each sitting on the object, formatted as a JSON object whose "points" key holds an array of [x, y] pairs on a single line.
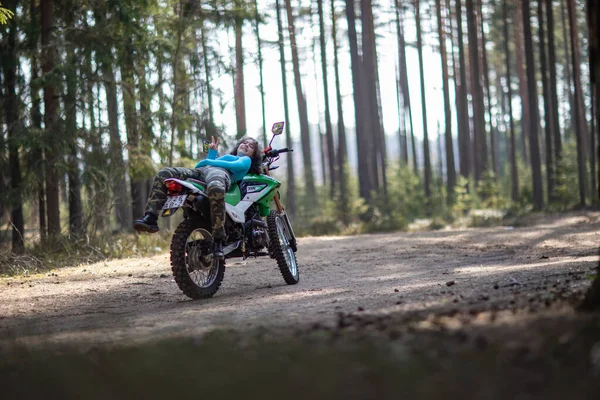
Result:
{"points": [[218, 181]]}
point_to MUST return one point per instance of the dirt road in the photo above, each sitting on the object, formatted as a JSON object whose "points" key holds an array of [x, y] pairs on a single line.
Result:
{"points": [[137, 299]]}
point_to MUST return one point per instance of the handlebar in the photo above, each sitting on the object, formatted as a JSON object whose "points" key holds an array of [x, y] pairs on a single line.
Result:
{"points": [[276, 152]]}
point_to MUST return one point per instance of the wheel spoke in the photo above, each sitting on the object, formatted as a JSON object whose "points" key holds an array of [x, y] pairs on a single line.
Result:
{"points": [[198, 269], [290, 258]]}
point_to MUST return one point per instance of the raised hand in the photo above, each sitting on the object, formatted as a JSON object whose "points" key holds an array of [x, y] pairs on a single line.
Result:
{"points": [[214, 144]]}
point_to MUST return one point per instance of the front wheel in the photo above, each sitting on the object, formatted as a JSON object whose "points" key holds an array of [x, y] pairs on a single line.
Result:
{"points": [[282, 250], [197, 274]]}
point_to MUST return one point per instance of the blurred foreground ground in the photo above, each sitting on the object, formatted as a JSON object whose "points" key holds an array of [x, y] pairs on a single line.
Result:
{"points": [[475, 313]]}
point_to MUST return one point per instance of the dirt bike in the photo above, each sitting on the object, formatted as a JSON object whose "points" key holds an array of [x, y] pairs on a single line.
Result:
{"points": [[247, 204]]}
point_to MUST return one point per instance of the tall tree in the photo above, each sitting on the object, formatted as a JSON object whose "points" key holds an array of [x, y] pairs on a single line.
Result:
{"points": [[74, 196], [261, 86], [36, 118], [592, 298], [567, 76], [291, 186], [548, 127], [426, 155], [211, 129], [328, 128], [464, 133], [514, 175], [50, 119], [580, 125], [479, 134], [132, 128], [450, 171], [538, 195], [522, 74], [14, 127], [302, 109], [378, 156], [557, 142], [403, 78], [240, 102], [402, 137], [593, 20], [364, 181], [486, 80], [342, 152]]}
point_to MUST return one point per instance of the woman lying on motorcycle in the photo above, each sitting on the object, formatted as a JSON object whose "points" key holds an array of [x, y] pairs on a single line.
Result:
{"points": [[218, 173]]}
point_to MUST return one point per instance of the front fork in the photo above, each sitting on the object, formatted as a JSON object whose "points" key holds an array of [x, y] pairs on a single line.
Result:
{"points": [[282, 214]]}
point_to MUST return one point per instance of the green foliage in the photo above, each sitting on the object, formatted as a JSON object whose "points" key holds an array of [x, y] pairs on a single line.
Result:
{"points": [[5, 15], [64, 251], [464, 199], [141, 166], [566, 190], [489, 191]]}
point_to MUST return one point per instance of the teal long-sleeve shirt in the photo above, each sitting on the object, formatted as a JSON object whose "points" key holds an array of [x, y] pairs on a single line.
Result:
{"points": [[238, 166]]}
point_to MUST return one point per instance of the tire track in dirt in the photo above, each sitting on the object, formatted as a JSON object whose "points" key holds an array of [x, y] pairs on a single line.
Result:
{"points": [[137, 299]]}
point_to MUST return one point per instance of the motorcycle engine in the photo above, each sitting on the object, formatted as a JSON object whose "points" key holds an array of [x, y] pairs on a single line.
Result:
{"points": [[258, 236]]}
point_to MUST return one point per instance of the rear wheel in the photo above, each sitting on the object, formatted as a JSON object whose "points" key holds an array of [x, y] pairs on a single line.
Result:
{"points": [[282, 250], [196, 272]]}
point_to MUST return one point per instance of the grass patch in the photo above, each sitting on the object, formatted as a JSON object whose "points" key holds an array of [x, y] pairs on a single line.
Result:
{"points": [[66, 252]]}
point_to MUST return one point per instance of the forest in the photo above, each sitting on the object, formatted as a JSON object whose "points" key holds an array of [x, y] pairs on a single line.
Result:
{"points": [[97, 96], [444, 188]]}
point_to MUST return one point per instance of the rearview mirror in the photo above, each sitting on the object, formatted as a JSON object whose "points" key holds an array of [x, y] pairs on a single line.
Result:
{"points": [[277, 128]]}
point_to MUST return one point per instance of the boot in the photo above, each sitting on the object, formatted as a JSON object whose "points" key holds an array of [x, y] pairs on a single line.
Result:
{"points": [[149, 223], [218, 249]]}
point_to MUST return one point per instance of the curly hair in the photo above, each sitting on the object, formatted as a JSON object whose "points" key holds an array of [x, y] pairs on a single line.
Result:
{"points": [[256, 166]]}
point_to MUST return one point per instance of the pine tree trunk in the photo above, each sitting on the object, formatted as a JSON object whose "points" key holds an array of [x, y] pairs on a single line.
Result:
{"points": [[513, 142], [403, 76], [479, 134], [592, 298], [568, 80], [593, 146], [50, 121], [486, 79], [451, 173], [538, 195], [323, 159], [426, 155], [36, 120], [146, 128], [547, 103], [556, 139], [14, 128], [402, 138], [373, 106], [580, 125], [98, 157], [593, 21], [211, 128], [522, 74], [364, 180], [464, 132], [240, 101], [291, 186], [3, 149], [302, 109], [122, 205], [74, 195], [132, 128], [260, 71], [328, 128], [342, 152]]}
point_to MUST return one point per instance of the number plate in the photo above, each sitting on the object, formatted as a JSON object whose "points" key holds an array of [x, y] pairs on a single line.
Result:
{"points": [[175, 202]]}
